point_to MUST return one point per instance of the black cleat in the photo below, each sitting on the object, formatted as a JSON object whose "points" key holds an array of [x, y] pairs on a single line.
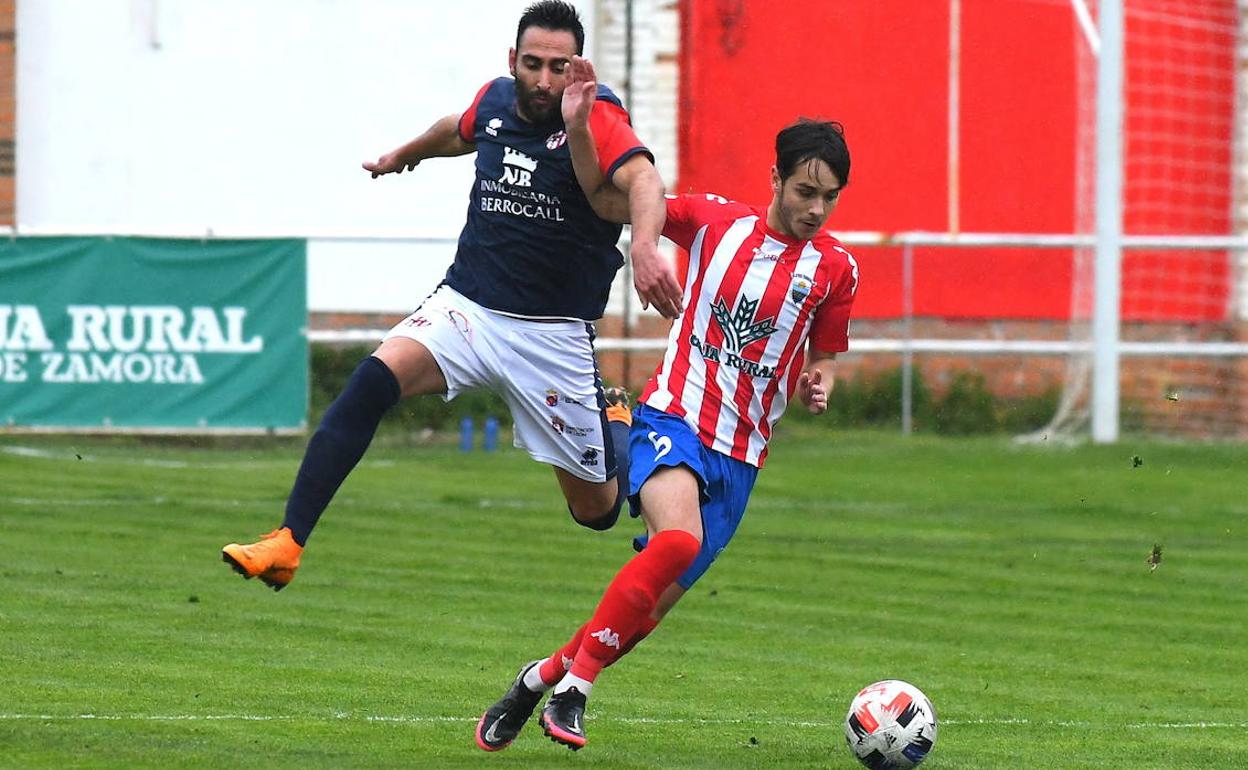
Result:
{"points": [[501, 723], [563, 716]]}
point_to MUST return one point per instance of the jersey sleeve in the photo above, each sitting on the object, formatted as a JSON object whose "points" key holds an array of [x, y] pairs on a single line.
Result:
{"points": [[686, 214], [829, 332], [614, 137], [468, 118]]}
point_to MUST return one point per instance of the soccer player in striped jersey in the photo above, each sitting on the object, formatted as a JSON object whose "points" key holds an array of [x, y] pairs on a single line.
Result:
{"points": [[767, 296]]}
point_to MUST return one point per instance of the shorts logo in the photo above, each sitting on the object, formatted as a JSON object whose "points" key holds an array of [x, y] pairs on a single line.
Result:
{"points": [[556, 140], [461, 322], [562, 428], [416, 320], [553, 398], [590, 456]]}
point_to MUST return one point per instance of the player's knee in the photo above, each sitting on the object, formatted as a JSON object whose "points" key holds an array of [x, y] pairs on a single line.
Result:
{"points": [[593, 517]]}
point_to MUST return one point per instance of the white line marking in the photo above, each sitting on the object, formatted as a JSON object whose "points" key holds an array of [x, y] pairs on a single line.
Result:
{"points": [[417, 719]]}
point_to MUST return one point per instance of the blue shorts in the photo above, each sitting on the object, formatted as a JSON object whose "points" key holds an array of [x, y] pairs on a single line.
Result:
{"points": [[661, 440]]}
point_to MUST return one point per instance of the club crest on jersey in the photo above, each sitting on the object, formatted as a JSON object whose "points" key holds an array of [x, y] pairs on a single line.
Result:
{"points": [[556, 140], [492, 127], [800, 288], [552, 397], [518, 168]]}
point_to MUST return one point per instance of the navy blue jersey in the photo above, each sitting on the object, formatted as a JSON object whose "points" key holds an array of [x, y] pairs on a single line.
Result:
{"points": [[531, 245]]}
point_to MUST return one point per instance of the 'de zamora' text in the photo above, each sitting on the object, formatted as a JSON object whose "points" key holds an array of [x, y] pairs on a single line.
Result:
{"points": [[115, 343]]}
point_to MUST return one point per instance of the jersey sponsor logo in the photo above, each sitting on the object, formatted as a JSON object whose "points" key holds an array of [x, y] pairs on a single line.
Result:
{"points": [[492, 127], [518, 168], [607, 637], [520, 201], [739, 329], [662, 444], [799, 290], [556, 140]]}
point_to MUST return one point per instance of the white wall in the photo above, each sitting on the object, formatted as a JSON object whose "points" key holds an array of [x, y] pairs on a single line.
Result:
{"points": [[253, 116]]}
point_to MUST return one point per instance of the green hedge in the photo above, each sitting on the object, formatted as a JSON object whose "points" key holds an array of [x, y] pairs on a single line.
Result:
{"points": [[332, 365], [967, 407]]}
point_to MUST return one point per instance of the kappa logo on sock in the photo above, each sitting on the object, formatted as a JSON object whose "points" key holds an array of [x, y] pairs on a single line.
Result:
{"points": [[566, 661], [607, 637]]}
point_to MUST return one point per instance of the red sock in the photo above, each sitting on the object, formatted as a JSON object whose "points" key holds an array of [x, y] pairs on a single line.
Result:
{"points": [[631, 597], [553, 669], [647, 625]]}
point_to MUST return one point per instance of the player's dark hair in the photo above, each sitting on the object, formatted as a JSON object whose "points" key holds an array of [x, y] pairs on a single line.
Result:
{"points": [[554, 15], [813, 140]]}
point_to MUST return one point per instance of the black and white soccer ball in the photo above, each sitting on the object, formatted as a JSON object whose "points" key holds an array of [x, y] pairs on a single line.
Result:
{"points": [[890, 725]]}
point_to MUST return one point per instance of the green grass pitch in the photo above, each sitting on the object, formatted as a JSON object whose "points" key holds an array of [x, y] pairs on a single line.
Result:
{"points": [[1010, 583]]}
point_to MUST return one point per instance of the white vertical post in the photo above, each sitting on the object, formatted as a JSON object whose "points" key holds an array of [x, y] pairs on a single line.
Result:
{"points": [[907, 332], [955, 90], [1105, 315]]}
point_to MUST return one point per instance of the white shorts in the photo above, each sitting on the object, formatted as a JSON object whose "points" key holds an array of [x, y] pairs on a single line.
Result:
{"points": [[545, 371]]}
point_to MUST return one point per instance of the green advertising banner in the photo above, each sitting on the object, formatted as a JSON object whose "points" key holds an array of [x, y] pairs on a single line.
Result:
{"points": [[148, 334]]}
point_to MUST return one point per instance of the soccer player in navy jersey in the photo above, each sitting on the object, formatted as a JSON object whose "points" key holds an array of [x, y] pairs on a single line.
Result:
{"points": [[767, 296], [532, 271]]}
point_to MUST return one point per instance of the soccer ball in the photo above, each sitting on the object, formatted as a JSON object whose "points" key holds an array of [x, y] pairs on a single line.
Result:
{"points": [[890, 724]]}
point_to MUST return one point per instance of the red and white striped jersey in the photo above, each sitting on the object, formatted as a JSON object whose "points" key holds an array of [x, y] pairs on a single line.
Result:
{"points": [[752, 299]]}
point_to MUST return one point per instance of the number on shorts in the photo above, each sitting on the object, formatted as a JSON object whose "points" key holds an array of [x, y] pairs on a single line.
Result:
{"points": [[662, 444]]}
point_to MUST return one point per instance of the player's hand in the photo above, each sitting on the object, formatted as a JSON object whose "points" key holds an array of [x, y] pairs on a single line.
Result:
{"points": [[390, 163], [579, 94], [655, 280], [810, 390]]}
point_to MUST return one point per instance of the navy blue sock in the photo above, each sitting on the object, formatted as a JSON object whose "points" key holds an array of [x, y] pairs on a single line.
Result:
{"points": [[618, 436], [619, 443], [338, 443]]}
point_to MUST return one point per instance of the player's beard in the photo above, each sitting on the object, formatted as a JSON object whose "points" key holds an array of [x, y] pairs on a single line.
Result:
{"points": [[794, 219], [533, 110]]}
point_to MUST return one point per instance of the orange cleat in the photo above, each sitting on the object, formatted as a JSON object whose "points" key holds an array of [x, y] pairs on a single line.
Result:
{"points": [[274, 559]]}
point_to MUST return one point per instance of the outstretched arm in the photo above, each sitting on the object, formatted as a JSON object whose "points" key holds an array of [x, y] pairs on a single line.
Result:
{"points": [[633, 195], [441, 140]]}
